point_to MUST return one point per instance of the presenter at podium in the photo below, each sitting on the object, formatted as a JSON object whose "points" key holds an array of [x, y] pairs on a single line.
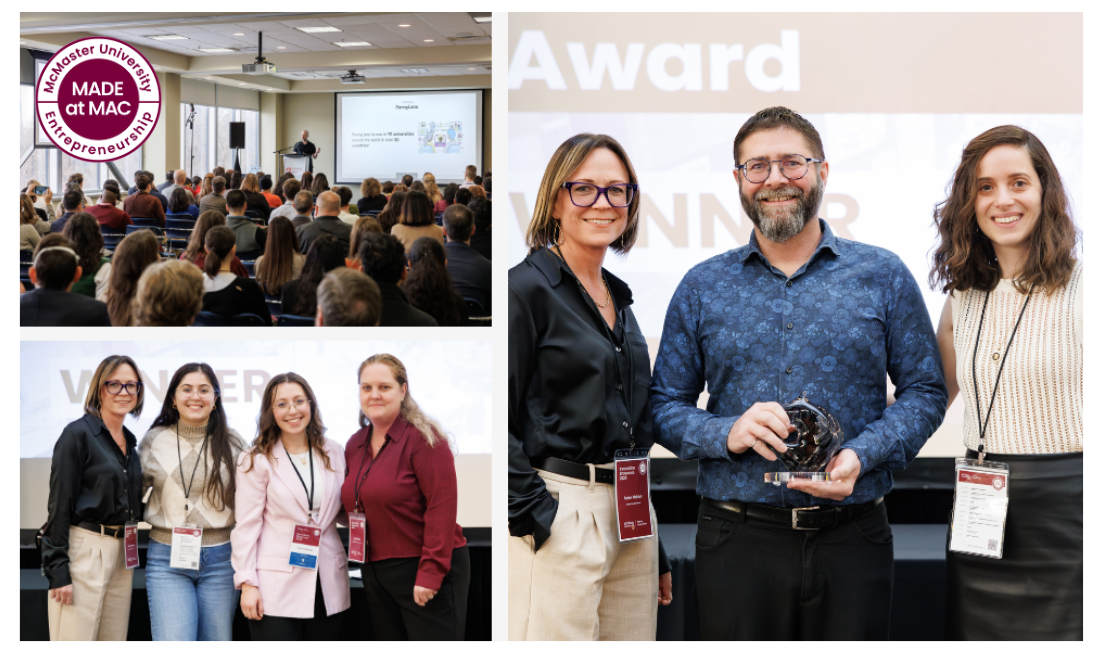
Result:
{"points": [[310, 149]]}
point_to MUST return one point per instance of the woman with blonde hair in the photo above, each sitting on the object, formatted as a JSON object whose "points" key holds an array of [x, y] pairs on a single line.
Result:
{"points": [[562, 510], [28, 217], [254, 200], [95, 499], [416, 578], [207, 188], [430, 188], [1011, 337], [288, 485], [170, 293]]}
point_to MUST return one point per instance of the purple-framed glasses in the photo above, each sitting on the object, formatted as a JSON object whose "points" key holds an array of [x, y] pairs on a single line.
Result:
{"points": [[584, 194]]}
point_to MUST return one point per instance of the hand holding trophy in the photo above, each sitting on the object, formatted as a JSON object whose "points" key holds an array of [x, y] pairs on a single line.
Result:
{"points": [[810, 446]]}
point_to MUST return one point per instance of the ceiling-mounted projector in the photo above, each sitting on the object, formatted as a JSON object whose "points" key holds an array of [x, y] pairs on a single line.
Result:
{"points": [[260, 66], [352, 78]]}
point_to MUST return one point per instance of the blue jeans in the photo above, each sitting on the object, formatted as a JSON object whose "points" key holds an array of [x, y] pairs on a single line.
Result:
{"points": [[191, 605]]}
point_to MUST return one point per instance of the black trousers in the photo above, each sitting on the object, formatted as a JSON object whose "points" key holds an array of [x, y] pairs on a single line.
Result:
{"points": [[389, 585], [762, 581], [322, 628]]}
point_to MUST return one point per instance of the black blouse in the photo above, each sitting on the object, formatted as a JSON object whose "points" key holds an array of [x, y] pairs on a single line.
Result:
{"points": [[578, 390], [90, 481]]}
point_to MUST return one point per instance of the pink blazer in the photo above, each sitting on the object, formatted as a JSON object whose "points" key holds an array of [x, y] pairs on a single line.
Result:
{"points": [[269, 502]]}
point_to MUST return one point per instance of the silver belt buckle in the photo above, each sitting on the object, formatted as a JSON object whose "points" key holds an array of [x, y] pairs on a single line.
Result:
{"points": [[802, 528]]}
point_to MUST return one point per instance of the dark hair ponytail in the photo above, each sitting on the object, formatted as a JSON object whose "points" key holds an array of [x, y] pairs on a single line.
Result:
{"points": [[219, 241]]}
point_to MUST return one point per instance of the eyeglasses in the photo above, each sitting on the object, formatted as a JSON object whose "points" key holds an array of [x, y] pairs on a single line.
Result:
{"points": [[586, 194], [793, 166], [114, 387], [203, 391]]}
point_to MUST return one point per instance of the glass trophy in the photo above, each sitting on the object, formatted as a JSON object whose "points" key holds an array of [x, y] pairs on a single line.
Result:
{"points": [[812, 444]]}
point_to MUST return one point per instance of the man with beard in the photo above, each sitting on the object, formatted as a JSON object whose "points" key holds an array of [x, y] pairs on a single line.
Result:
{"points": [[796, 310]]}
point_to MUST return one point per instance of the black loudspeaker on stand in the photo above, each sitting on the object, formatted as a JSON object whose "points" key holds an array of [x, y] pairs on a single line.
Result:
{"points": [[237, 141]]}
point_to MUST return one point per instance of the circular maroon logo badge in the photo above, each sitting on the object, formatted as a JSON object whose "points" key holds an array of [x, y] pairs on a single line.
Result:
{"points": [[98, 99]]}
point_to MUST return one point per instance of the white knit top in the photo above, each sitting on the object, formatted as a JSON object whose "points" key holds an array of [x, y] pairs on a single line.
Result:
{"points": [[1039, 405]]}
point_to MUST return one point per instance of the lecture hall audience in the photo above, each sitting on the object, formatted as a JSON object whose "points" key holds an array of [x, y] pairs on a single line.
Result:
{"points": [[384, 261]]}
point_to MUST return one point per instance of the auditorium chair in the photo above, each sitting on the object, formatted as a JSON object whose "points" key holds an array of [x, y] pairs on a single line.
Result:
{"points": [[179, 216], [475, 311], [157, 231], [438, 218], [111, 241], [26, 260], [146, 222], [209, 319], [375, 212], [112, 231], [275, 306], [295, 320], [184, 221], [250, 265]]}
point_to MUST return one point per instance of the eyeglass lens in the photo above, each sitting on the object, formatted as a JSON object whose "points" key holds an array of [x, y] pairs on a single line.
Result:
{"points": [[793, 166], [587, 194], [114, 387]]}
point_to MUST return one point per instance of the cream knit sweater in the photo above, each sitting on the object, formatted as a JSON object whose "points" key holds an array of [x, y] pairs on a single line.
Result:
{"points": [[1039, 405], [161, 471]]}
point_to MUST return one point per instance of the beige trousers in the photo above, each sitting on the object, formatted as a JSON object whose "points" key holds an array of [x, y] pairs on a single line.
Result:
{"points": [[583, 583], [101, 591]]}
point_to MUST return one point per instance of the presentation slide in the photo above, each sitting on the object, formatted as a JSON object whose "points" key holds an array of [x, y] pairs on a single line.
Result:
{"points": [[450, 381], [388, 135]]}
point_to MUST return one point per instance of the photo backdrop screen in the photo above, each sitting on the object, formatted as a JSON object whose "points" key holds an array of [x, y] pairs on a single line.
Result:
{"points": [[893, 109], [388, 135], [450, 381]]}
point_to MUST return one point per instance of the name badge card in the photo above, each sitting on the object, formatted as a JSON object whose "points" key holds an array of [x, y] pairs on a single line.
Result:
{"points": [[187, 542], [304, 546], [980, 508], [358, 537], [633, 490], [130, 545]]}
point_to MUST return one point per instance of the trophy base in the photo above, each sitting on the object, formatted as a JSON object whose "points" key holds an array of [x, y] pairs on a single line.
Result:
{"points": [[777, 478]]}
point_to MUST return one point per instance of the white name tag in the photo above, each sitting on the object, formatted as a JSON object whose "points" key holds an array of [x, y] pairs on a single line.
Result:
{"points": [[980, 508], [187, 543]]}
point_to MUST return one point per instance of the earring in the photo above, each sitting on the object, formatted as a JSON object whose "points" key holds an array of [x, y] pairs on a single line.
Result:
{"points": [[558, 240]]}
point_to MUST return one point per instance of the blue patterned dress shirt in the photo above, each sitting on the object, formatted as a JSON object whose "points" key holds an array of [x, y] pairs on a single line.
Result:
{"points": [[847, 317]]}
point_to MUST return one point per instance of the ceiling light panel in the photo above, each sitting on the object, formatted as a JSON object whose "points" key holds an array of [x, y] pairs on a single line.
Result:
{"points": [[166, 37], [352, 44], [318, 29]]}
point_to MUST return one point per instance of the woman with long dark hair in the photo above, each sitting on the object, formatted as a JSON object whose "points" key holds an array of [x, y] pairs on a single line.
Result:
{"points": [[417, 220], [188, 459], [95, 497], [196, 250], [320, 185], [365, 224], [134, 254], [306, 182], [300, 296], [281, 261], [391, 213], [179, 204], [225, 292], [448, 197], [84, 231], [1012, 342], [288, 484], [429, 285], [235, 181], [416, 579]]}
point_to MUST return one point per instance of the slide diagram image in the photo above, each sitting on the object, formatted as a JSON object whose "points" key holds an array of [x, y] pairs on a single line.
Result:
{"points": [[440, 137]]}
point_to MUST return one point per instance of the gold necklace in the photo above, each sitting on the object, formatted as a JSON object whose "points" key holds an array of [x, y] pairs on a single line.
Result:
{"points": [[608, 294]]}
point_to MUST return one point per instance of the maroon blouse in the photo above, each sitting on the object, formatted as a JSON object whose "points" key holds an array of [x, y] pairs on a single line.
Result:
{"points": [[408, 496]]}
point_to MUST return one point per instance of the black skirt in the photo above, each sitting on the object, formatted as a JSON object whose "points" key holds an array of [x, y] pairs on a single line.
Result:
{"points": [[1036, 591]]}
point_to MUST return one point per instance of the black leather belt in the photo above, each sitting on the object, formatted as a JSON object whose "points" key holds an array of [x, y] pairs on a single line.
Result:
{"points": [[574, 470], [800, 519], [95, 528]]}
